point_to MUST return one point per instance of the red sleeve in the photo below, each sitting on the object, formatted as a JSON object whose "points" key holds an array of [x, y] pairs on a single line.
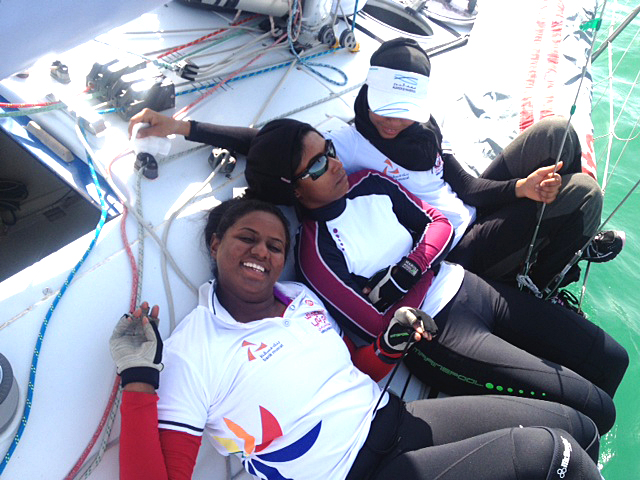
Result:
{"points": [[366, 360], [149, 453]]}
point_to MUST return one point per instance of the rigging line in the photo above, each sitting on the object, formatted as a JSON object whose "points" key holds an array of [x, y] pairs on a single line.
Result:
{"points": [[231, 32], [296, 8], [312, 104], [201, 39], [273, 94], [618, 64], [355, 13], [125, 202], [218, 70], [107, 433], [184, 110], [86, 467], [47, 319], [609, 143], [256, 72], [395, 369], [165, 237], [593, 23], [210, 44], [32, 111], [106, 421], [110, 412], [617, 32], [235, 55], [626, 143], [179, 30]]}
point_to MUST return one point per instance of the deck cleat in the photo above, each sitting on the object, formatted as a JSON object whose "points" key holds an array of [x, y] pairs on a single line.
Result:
{"points": [[60, 72]]}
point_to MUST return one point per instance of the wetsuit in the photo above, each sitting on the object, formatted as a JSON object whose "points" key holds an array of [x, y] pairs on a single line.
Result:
{"points": [[283, 395], [492, 338]]}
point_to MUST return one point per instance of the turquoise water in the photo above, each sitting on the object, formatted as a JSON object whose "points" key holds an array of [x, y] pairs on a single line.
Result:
{"points": [[612, 297]]}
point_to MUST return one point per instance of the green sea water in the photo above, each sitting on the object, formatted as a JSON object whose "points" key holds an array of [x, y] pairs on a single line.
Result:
{"points": [[612, 298]]}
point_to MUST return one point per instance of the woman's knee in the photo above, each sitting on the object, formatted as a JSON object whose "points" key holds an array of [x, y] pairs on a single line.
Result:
{"points": [[584, 431], [539, 451], [580, 195]]}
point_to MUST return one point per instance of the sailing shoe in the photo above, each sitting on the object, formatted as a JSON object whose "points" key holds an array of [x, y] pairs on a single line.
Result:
{"points": [[568, 300], [605, 246]]}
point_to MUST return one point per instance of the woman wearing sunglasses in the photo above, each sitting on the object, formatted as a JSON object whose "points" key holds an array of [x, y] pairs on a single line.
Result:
{"points": [[260, 370]]}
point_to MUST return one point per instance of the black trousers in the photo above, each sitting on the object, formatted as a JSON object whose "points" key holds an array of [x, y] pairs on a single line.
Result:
{"points": [[479, 438], [496, 244], [495, 339]]}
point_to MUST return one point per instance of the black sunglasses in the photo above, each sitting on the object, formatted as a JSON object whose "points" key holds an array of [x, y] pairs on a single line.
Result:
{"points": [[318, 164]]}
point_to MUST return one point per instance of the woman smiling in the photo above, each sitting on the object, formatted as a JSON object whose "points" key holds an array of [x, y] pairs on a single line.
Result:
{"points": [[260, 369]]}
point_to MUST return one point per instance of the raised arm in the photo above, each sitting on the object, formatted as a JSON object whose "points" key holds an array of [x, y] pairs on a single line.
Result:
{"points": [[542, 185], [145, 451]]}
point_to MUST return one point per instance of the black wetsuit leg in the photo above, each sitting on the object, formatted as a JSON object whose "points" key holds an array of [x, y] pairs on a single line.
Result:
{"points": [[537, 147], [532, 453], [404, 440], [496, 245], [495, 339]]}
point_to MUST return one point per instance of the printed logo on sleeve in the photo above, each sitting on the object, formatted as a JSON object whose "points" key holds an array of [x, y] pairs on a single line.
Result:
{"points": [[438, 167], [319, 320]]}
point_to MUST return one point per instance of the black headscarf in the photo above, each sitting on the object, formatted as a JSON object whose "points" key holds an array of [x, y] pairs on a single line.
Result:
{"points": [[273, 158]]}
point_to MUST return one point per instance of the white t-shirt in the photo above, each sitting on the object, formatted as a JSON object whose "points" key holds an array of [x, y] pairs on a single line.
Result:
{"points": [[282, 393], [357, 153]]}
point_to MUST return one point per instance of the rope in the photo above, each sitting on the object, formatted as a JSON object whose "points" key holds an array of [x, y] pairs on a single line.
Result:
{"points": [[257, 72], [32, 111], [523, 277], [205, 37], [184, 110], [307, 64], [45, 323], [331, 96]]}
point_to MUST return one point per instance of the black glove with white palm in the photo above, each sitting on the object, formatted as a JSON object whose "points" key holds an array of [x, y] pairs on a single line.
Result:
{"points": [[136, 347], [390, 284], [407, 326]]}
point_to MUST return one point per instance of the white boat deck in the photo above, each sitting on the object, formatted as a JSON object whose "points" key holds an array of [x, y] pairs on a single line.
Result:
{"points": [[478, 97]]}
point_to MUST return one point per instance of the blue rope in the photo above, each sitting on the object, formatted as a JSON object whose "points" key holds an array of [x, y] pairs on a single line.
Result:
{"points": [[45, 323], [303, 61], [257, 72], [355, 13]]}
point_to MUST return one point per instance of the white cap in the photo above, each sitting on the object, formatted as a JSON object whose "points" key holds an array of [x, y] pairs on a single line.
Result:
{"points": [[397, 93]]}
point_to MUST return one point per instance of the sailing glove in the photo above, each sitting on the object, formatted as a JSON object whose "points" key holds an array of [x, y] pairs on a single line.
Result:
{"points": [[392, 283], [391, 344], [136, 348]]}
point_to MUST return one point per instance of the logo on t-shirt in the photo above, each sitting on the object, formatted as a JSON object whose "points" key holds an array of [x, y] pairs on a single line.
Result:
{"points": [[263, 351], [394, 173], [319, 320], [386, 170], [255, 463]]}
